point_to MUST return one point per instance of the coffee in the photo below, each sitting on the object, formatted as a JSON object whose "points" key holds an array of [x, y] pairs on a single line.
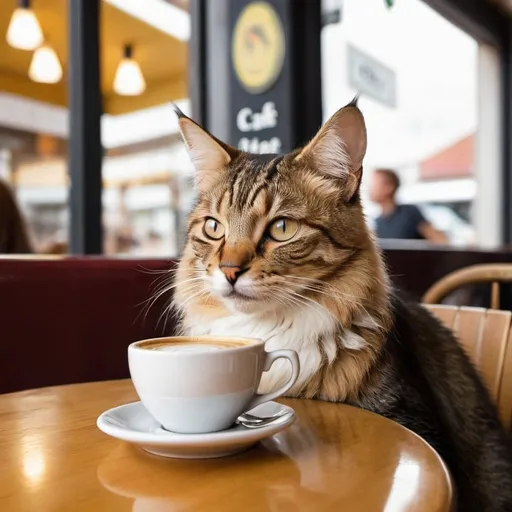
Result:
{"points": [[183, 344]]}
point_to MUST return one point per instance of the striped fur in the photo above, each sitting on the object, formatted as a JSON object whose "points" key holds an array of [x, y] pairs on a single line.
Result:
{"points": [[328, 277]]}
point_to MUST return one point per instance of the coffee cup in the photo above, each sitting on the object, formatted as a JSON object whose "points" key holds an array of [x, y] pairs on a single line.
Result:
{"points": [[202, 384]]}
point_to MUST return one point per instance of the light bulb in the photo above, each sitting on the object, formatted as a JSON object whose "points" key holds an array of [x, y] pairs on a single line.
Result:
{"points": [[45, 66], [24, 31], [129, 80]]}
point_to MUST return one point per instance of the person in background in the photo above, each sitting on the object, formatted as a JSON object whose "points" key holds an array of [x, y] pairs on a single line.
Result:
{"points": [[14, 237], [403, 221]]}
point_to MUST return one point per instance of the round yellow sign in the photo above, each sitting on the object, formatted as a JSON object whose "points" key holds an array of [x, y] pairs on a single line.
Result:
{"points": [[258, 47]]}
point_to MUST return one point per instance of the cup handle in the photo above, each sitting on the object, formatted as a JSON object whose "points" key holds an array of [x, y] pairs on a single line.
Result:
{"points": [[292, 356]]}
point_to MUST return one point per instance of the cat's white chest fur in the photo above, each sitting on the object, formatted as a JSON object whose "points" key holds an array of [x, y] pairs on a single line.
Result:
{"points": [[301, 329]]}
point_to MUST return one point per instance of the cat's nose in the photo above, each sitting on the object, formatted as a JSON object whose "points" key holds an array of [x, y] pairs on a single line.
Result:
{"points": [[232, 272], [235, 260]]}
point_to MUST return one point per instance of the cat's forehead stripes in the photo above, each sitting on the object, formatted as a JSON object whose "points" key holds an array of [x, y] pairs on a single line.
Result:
{"points": [[265, 181], [248, 177]]}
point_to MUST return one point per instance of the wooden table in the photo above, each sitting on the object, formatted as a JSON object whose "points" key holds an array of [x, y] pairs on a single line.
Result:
{"points": [[334, 458]]}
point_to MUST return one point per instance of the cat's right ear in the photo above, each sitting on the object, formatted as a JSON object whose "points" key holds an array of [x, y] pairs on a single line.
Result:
{"points": [[338, 149], [208, 154]]}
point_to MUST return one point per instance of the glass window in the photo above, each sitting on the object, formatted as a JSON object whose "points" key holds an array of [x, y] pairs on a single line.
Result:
{"points": [[147, 181], [417, 74]]}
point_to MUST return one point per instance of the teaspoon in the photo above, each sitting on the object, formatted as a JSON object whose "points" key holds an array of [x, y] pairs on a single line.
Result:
{"points": [[248, 420]]}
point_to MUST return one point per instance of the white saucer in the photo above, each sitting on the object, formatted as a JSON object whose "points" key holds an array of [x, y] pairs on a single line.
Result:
{"points": [[132, 423]]}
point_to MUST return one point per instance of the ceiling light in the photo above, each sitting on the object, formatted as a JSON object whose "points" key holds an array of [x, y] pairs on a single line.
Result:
{"points": [[129, 80], [45, 66], [24, 31]]}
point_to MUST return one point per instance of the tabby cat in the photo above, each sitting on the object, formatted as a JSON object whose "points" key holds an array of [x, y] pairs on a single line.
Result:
{"points": [[278, 249]]}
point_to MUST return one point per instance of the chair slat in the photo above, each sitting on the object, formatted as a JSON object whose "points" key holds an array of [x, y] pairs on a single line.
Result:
{"points": [[446, 314], [490, 355], [495, 295], [505, 392], [469, 327]]}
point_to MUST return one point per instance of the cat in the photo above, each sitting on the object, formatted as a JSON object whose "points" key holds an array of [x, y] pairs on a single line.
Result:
{"points": [[278, 249]]}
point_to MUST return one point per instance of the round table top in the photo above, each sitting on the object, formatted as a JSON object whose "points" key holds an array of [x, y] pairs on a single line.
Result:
{"points": [[335, 457]]}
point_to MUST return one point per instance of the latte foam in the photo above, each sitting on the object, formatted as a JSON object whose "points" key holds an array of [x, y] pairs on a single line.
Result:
{"points": [[192, 345], [186, 348]]}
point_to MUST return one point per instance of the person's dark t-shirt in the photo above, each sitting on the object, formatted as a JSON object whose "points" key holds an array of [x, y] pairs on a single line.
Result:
{"points": [[403, 222]]}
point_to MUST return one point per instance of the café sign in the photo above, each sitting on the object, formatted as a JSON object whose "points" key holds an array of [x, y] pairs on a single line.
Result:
{"points": [[258, 86], [258, 54], [248, 121]]}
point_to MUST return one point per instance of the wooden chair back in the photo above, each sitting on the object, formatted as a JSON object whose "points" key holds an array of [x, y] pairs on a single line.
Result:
{"points": [[494, 273], [486, 336]]}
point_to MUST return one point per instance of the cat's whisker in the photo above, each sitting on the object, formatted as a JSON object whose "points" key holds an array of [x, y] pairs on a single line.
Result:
{"points": [[291, 301], [167, 288], [160, 282], [278, 298], [335, 295], [315, 282], [191, 288], [329, 292], [183, 305], [156, 270], [187, 280], [148, 304], [341, 296], [314, 303], [152, 300], [300, 299], [319, 281], [165, 314], [332, 292], [177, 307], [163, 281]]}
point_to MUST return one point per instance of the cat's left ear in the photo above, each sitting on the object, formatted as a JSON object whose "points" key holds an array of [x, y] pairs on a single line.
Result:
{"points": [[338, 149], [208, 154]]}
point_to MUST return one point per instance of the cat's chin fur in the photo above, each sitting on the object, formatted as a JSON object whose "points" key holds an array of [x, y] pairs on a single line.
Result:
{"points": [[296, 328]]}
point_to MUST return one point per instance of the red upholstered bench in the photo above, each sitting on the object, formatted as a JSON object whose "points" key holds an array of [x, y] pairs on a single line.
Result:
{"points": [[70, 320]]}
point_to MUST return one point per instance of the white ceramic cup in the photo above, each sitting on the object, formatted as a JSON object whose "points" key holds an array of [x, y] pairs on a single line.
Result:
{"points": [[202, 384]]}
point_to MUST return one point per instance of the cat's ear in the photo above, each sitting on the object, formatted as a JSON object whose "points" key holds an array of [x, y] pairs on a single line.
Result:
{"points": [[208, 154], [338, 149]]}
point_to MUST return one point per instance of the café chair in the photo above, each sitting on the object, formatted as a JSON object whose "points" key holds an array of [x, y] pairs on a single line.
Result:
{"points": [[486, 337], [493, 273]]}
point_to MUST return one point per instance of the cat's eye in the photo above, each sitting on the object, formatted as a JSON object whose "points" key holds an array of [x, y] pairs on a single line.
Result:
{"points": [[283, 229], [213, 229]]}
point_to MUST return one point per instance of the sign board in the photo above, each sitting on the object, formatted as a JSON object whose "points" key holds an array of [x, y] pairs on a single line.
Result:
{"points": [[262, 72], [368, 76], [259, 42]]}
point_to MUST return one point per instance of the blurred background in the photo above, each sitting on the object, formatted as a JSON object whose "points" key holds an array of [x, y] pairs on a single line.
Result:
{"points": [[86, 123], [96, 185]]}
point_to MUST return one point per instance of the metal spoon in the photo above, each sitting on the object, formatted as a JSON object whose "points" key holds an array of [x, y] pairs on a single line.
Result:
{"points": [[251, 421]]}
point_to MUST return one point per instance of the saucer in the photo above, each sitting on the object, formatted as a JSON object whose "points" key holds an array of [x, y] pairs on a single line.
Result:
{"points": [[132, 423]]}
